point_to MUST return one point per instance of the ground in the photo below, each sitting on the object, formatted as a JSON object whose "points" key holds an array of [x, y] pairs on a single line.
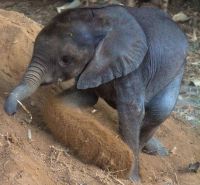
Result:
{"points": [[30, 155]]}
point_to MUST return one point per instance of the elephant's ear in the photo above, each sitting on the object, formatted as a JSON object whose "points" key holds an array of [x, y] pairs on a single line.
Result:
{"points": [[119, 53]]}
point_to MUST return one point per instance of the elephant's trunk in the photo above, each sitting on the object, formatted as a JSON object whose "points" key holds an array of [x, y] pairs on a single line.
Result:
{"points": [[29, 84]]}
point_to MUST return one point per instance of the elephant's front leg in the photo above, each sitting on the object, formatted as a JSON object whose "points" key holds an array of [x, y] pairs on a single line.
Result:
{"points": [[130, 106], [130, 117]]}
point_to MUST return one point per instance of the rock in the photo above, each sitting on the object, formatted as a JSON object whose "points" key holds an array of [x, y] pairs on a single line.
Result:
{"points": [[180, 17], [194, 167], [195, 82]]}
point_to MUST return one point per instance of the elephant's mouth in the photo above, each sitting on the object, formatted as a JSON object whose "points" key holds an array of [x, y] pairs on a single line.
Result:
{"points": [[58, 81], [45, 83]]}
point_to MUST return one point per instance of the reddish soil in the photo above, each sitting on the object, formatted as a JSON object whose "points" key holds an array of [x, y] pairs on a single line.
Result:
{"points": [[37, 158]]}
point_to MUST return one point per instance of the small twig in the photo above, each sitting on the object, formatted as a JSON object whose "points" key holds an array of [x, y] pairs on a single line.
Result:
{"points": [[112, 176], [7, 139], [4, 165], [29, 134], [26, 110], [117, 171], [51, 158], [55, 154], [58, 156], [177, 181], [194, 34], [57, 149], [118, 181], [154, 175]]}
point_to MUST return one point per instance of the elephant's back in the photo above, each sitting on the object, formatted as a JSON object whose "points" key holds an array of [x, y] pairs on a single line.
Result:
{"points": [[167, 47], [159, 28]]}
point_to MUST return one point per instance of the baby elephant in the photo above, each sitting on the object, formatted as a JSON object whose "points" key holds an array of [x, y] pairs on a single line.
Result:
{"points": [[133, 58]]}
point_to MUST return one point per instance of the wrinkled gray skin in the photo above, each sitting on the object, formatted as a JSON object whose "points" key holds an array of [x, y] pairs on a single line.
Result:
{"points": [[133, 58]]}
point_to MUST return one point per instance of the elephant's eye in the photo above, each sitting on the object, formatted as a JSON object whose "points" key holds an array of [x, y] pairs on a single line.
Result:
{"points": [[65, 60]]}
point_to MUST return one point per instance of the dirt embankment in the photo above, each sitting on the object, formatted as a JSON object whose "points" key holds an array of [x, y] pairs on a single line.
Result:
{"points": [[30, 155]]}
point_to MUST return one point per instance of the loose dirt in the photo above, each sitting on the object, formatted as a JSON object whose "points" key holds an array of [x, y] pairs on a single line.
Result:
{"points": [[87, 137], [37, 158]]}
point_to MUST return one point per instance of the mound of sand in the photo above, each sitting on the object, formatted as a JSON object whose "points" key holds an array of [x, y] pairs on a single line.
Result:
{"points": [[89, 139], [17, 35]]}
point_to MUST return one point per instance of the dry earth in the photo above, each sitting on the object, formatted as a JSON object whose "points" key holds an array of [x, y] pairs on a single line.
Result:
{"points": [[30, 155]]}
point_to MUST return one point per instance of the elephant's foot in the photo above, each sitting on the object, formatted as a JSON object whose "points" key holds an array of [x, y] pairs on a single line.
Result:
{"points": [[135, 179], [155, 147], [134, 174]]}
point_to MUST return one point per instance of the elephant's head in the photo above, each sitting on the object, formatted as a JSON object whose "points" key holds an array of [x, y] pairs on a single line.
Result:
{"points": [[94, 46]]}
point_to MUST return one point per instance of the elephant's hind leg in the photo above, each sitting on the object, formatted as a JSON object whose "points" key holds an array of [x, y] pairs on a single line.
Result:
{"points": [[156, 111]]}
